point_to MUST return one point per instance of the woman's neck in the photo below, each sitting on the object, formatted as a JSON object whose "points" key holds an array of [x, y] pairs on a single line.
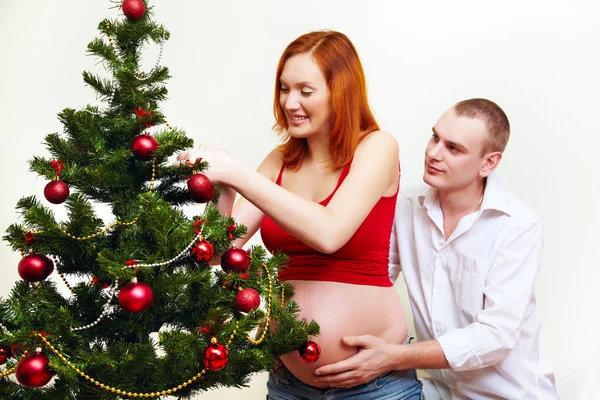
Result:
{"points": [[318, 150]]}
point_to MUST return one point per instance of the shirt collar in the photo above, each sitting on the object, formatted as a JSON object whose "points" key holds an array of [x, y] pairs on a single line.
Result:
{"points": [[495, 197], [428, 197]]}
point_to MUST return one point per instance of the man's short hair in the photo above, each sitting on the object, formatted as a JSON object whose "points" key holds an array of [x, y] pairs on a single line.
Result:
{"points": [[496, 121]]}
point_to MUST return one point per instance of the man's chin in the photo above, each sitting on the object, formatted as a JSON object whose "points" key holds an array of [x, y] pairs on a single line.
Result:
{"points": [[432, 181]]}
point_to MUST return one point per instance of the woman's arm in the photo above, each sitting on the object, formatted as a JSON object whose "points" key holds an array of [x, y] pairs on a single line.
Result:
{"points": [[243, 211], [326, 229]]}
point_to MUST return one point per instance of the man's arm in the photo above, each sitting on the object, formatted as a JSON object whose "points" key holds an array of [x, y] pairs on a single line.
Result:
{"points": [[487, 341], [376, 357]]}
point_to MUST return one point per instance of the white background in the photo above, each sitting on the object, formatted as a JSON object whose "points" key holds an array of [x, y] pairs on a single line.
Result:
{"points": [[537, 59]]}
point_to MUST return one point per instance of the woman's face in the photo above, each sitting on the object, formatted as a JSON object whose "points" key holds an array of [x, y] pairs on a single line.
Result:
{"points": [[305, 97]]}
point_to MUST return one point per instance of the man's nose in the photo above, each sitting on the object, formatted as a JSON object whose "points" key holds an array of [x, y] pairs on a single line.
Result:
{"points": [[435, 153]]}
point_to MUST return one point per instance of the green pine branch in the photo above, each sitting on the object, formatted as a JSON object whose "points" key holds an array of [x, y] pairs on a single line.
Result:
{"points": [[104, 87]]}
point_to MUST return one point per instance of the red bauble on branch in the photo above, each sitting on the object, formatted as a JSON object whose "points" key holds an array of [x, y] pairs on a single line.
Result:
{"points": [[134, 9], [56, 192], [203, 251], [144, 146], [5, 354], [201, 190], [310, 351], [32, 371], [247, 300], [135, 297], [103, 283], [235, 260], [35, 267], [15, 348], [216, 356]]}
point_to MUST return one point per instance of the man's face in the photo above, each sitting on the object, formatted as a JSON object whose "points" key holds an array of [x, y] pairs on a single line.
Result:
{"points": [[453, 158]]}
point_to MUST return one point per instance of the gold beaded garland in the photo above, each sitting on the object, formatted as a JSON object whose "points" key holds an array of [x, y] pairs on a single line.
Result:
{"points": [[268, 317]]}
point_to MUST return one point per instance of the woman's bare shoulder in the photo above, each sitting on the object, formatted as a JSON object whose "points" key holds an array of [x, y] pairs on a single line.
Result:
{"points": [[271, 164], [380, 139], [379, 143]]}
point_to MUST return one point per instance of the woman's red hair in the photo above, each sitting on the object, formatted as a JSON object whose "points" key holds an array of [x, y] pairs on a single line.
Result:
{"points": [[351, 119]]}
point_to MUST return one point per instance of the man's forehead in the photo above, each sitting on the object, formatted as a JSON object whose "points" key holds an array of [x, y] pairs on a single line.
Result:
{"points": [[450, 123], [468, 132]]}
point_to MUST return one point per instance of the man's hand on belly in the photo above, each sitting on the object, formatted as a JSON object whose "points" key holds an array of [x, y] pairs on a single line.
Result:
{"points": [[373, 359]]}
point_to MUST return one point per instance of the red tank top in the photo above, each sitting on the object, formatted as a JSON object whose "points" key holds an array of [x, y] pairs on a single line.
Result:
{"points": [[363, 260]]}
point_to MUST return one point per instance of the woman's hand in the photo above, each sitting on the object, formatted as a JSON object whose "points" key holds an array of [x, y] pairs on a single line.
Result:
{"points": [[221, 165]]}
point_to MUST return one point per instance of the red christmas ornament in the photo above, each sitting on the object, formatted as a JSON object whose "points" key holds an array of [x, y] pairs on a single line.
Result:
{"points": [[310, 351], [97, 281], [245, 275], [230, 230], [235, 259], [247, 300], [209, 328], [135, 297], [216, 356], [32, 371], [204, 251], [134, 9], [5, 354], [143, 146], [201, 190], [206, 330], [56, 192], [29, 237], [35, 267], [15, 348]]}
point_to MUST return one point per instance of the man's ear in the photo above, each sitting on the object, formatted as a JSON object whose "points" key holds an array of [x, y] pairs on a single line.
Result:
{"points": [[490, 162]]}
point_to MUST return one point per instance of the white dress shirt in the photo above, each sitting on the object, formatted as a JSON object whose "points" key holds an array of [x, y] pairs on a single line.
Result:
{"points": [[474, 293]]}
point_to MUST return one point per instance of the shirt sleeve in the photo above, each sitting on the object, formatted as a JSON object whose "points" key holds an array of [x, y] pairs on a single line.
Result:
{"points": [[508, 291], [394, 267]]}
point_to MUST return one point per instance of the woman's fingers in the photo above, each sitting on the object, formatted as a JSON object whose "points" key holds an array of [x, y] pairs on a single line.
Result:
{"points": [[184, 155]]}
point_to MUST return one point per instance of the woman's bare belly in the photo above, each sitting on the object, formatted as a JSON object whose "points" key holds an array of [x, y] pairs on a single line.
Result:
{"points": [[343, 309]]}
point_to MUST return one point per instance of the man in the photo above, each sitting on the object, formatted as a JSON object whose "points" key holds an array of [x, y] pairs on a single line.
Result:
{"points": [[469, 252]]}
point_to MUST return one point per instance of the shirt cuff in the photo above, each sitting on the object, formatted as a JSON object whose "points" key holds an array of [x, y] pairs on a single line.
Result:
{"points": [[459, 350]]}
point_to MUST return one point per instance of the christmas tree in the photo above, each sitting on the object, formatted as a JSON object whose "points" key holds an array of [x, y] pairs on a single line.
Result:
{"points": [[146, 315]]}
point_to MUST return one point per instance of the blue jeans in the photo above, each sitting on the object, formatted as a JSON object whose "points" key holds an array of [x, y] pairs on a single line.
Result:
{"points": [[393, 385]]}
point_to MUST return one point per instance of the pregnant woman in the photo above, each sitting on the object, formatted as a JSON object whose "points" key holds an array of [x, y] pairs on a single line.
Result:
{"points": [[326, 197]]}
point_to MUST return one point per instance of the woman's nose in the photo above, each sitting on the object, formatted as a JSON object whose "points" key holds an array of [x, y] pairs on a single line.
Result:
{"points": [[292, 102]]}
